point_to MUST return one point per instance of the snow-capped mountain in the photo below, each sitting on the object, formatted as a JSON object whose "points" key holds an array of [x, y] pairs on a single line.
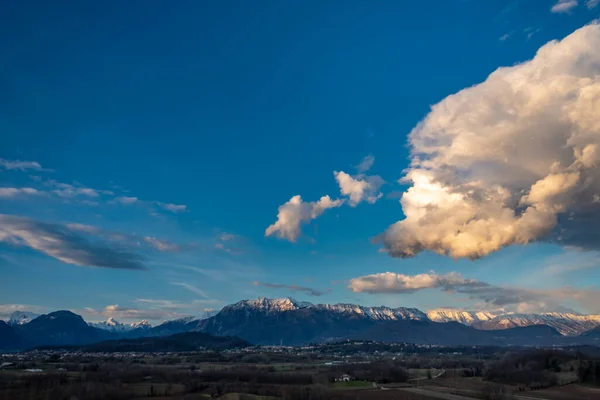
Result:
{"points": [[381, 313], [566, 324], [21, 317], [268, 305], [112, 325], [143, 324], [462, 316]]}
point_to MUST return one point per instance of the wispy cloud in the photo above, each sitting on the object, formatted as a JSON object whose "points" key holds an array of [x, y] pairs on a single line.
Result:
{"points": [[192, 289], [162, 245], [7, 309], [65, 243], [67, 190], [564, 6], [504, 37], [165, 304], [9, 192], [126, 200], [507, 298], [590, 4], [294, 288], [128, 313], [20, 165], [531, 31]]}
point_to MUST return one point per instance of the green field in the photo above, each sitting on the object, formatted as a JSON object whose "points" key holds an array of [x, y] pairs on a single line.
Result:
{"points": [[353, 385]]}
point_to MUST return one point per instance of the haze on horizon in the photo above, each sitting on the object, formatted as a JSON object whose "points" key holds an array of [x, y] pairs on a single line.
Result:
{"points": [[159, 162]]}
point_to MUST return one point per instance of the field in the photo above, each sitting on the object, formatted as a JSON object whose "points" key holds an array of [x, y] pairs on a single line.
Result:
{"points": [[262, 375]]}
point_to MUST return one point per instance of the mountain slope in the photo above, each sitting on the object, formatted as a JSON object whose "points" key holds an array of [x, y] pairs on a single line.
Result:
{"points": [[462, 316], [275, 323], [9, 339]]}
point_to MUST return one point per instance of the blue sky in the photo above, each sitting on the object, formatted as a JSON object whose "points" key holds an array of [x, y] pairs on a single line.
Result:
{"points": [[172, 133]]}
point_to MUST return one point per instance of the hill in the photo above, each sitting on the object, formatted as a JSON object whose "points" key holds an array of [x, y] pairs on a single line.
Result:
{"points": [[189, 341]]}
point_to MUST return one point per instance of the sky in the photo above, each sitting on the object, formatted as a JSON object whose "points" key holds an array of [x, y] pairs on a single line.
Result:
{"points": [[163, 159]]}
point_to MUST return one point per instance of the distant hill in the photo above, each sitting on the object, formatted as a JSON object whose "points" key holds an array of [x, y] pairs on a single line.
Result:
{"points": [[9, 339], [57, 328], [189, 341]]}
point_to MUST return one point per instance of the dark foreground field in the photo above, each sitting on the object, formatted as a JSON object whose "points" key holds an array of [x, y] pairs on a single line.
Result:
{"points": [[258, 374]]}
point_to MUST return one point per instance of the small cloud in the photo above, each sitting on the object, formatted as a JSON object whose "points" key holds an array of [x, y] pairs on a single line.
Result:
{"points": [[227, 236], [293, 288], [359, 188], [590, 4], [161, 245], [174, 208], [564, 6], [295, 212], [127, 200], [365, 164], [504, 37]]}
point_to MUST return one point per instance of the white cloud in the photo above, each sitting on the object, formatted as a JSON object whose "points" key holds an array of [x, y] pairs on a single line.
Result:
{"points": [[20, 165], [9, 192], [126, 200], [174, 208], [295, 212], [359, 188], [365, 164], [592, 3], [506, 161], [564, 6]]}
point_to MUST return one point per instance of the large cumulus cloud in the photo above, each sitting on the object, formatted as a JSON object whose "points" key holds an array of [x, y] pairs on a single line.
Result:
{"points": [[509, 161]]}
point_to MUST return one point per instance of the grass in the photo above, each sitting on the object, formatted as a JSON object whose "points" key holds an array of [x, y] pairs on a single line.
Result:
{"points": [[353, 385]]}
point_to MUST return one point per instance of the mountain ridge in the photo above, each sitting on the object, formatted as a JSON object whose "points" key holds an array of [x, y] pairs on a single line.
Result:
{"points": [[288, 321]]}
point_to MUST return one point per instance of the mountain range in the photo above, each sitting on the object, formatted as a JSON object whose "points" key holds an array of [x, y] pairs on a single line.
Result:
{"points": [[290, 322]]}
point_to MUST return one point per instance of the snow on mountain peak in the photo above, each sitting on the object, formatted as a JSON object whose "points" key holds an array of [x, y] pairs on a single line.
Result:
{"points": [[112, 325], [458, 315], [21, 317], [270, 305], [141, 324]]}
